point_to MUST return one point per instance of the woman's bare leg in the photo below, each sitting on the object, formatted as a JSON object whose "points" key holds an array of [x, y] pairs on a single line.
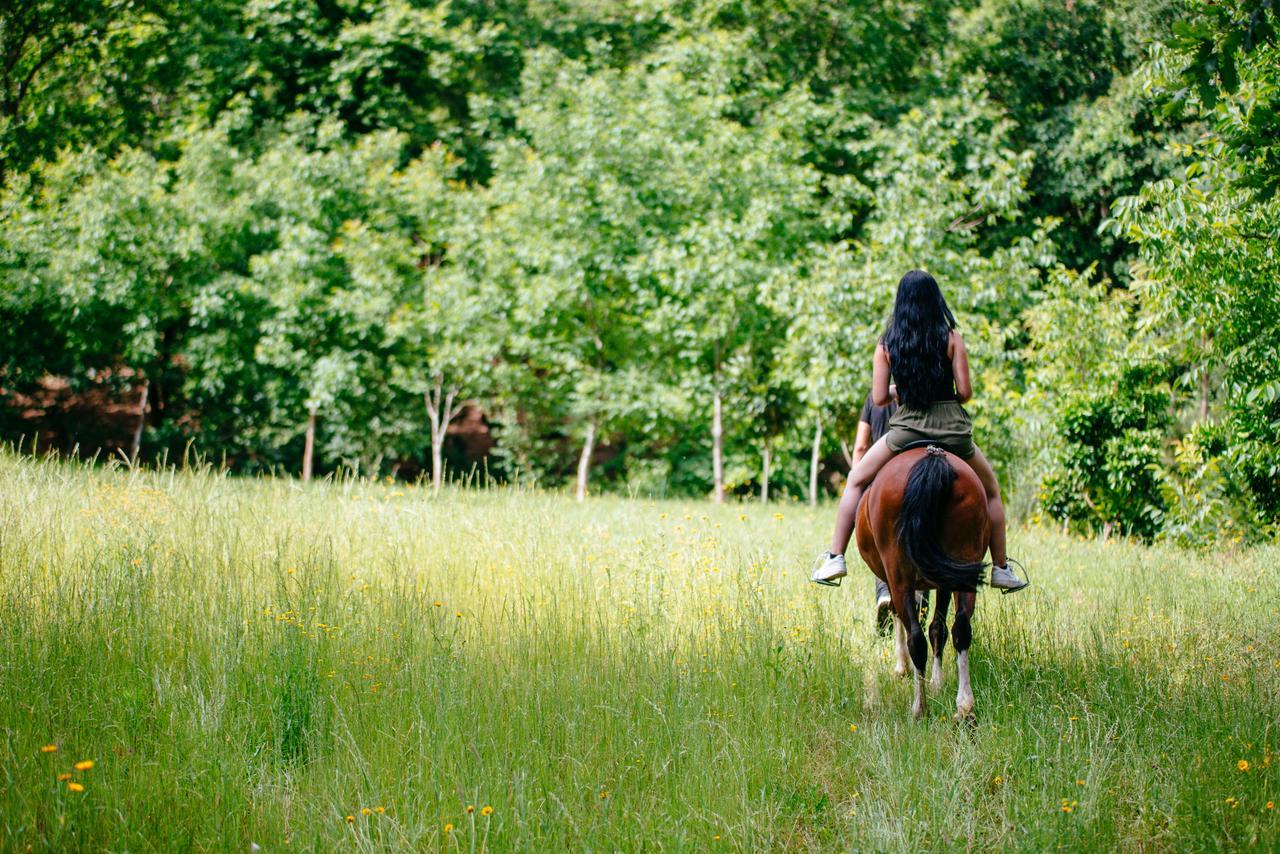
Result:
{"points": [[847, 513], [995, 507]]}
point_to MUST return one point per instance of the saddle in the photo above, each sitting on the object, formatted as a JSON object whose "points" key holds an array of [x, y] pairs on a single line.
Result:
{"points": [[933, 449]]}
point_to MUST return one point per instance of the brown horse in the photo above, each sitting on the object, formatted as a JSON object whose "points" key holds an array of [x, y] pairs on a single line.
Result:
{"points": [[922, 525]]}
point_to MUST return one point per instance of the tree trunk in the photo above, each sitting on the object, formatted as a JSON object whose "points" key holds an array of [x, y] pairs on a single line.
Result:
{"points": [[717, 449], [437, 455], [584, 462], [440, 412], [136, 443], [1204, 379], [309, 447], [1204, 396], [764, 474], [813, 462], [847, 453]]}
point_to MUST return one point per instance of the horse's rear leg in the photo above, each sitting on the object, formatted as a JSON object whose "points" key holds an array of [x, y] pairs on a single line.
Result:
{"points": [[899, 595], [901, 660], [912, 637], [962, 634], [938, 637]]}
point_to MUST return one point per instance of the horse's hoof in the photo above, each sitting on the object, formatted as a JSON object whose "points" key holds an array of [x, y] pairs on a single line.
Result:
{"points": [[964, 714], [917, 712], [900, 671]]}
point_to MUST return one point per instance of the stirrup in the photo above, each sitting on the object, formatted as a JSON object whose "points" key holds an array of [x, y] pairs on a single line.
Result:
{"points": [[1022, 570]]}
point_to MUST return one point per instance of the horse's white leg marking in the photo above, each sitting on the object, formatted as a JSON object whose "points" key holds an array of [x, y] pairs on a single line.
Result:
{"points": [[917, 702], [899, 647], [964, 694], [935, 684]]}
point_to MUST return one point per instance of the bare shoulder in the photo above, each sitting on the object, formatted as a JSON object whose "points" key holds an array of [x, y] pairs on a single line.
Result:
{"points": [[955, 343]]}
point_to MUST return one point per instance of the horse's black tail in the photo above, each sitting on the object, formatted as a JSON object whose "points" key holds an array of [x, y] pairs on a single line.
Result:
{"points": [[924, 506]]}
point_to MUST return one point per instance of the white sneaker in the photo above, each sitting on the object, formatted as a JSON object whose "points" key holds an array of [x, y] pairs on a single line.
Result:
{"points": [[828, 569], [884, 607], [1003, 578]]}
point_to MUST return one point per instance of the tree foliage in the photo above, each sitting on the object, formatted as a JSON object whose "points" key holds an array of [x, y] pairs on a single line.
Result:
{"points": [[652, 246]]}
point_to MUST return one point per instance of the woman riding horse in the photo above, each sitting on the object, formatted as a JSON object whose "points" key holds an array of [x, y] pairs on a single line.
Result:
{"points": [[926, 358], [925, 505]]}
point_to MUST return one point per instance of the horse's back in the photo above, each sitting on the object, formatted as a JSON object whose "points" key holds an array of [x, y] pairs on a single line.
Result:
{"points": [[965, 529]]}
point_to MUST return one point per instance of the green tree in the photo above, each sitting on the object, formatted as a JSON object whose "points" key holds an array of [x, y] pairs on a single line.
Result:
{"points": [[110, 258], [1098, 407], [1207, 269], [1063, 72], [636, 212], [75, 72], [833, 325], [946, 182], [349, 229], [574, 207], [448, 335], [1110, 473]]}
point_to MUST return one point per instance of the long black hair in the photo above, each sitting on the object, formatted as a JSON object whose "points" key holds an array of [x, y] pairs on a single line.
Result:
{"points": [[916, 341]]}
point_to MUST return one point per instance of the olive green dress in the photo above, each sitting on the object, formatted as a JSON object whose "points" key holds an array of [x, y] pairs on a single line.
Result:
{"points": [[943, 422]]}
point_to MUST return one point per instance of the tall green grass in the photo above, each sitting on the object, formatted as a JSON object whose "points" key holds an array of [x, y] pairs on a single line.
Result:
{"points": [[257, 662]]}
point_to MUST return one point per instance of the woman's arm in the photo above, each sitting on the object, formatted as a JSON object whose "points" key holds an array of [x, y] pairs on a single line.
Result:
{"points": [[880, 395], [862, 441], [960, 368]]}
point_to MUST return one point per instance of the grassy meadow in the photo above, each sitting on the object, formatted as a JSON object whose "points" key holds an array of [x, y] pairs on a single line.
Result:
{"points": [[367, 666]]}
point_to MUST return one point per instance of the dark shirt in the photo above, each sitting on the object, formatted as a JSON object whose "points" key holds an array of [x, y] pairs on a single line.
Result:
{"points": [[878, 417]]}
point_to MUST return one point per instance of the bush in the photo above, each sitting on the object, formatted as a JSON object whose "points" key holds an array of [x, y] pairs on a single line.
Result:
{"points": [[1108, 474]]}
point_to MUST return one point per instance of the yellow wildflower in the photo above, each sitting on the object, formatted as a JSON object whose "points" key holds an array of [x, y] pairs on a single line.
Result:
{"points": [[470, 809], [64, 776], [380, 810], [351, 819], [1243, 764], [486, 810], [84, 765], [75, 787], [448, 827], [366, 811]]}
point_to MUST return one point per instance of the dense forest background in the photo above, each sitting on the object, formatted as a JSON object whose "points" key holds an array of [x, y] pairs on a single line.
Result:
{"points": [[648, 246]]}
